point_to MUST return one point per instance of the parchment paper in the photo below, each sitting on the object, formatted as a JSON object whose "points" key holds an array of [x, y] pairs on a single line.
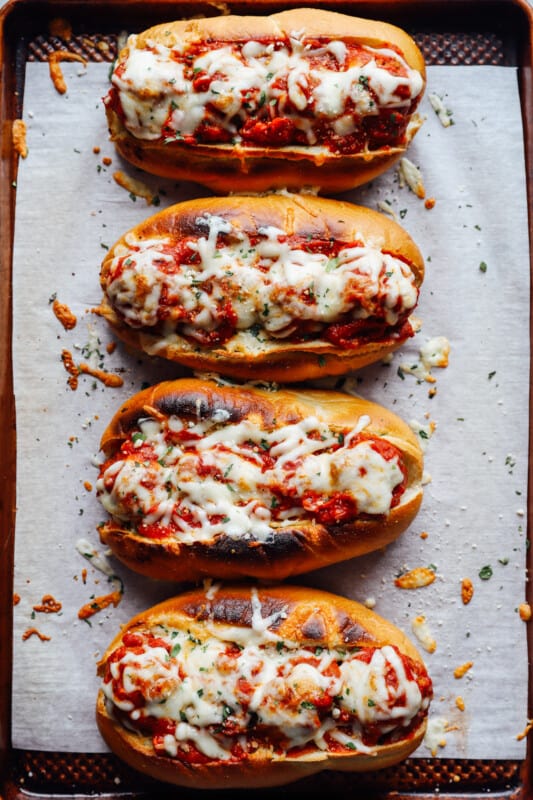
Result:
{"points": [[69, 210]]}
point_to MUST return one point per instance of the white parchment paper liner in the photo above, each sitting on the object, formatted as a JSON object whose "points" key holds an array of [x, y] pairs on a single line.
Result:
{"points": [[69, 210]]}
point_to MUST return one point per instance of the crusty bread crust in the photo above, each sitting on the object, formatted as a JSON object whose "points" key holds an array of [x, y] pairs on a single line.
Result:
{"points": [[313, 617], [274, 360], [230, 168], [314, 21], [295, 549]]}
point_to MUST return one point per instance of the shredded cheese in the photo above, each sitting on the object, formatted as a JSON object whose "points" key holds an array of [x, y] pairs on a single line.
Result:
{"points": [[382, 205], [411, 175], [444, 114], [423, 633]]}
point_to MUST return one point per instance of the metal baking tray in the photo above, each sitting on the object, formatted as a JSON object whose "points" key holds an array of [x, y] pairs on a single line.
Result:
{"points": [[449, 32]]}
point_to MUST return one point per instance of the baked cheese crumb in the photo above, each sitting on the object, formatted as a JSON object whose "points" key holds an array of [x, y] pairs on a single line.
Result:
{"points": [[134, 187], [71, 368], [107, 378], [19, 137], [99, 603], [64, 315], [56, 73], [48, 605], [34, 632], [460, 672], [415, 578], [467, 590], [526, 731]]}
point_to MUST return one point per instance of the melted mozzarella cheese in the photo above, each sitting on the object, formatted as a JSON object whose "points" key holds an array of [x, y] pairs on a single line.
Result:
{"points": [[367, 693], [155, 92], [270, 284], [199, 683], [216, 482], [341, 472]]}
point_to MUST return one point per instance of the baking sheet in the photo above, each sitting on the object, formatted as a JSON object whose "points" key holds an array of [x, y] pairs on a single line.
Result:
{"points": [[476, 294]]}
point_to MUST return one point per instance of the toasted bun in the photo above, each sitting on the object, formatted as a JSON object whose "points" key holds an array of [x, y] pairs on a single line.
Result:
{"points": [[299, 615], [249, 357], [234, 167], [295, 547]]}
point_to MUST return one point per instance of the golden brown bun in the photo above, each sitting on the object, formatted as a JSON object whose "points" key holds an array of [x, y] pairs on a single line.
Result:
{"points": [[233, 168], [295, 548], [244, 356], [315, 618]]}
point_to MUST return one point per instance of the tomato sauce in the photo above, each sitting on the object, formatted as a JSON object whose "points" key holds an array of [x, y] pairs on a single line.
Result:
{"points": [[326, 509], [346, 333], [242, 738], [274, 121]]}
